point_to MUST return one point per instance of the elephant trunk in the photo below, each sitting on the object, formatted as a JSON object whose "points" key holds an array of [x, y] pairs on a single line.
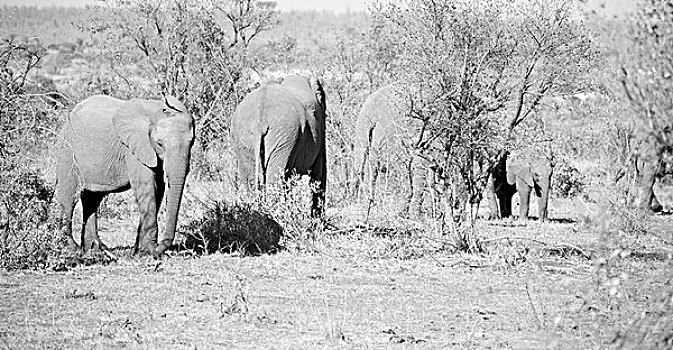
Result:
{"points": [[542, 202], [176, 169]]}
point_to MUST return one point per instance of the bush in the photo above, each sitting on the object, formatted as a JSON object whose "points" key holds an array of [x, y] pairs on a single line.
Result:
{"points": [[30, 239], [253, 223], [238, 227], [567, 181]]}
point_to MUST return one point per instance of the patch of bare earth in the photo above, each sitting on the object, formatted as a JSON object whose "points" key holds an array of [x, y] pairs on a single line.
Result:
{"points": [[538, 286]]}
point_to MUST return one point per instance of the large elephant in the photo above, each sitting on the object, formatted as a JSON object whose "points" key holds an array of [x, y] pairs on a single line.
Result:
{"points": [[110, 145], [383, 137], [652, 160], [279, 130], [520, 175]]}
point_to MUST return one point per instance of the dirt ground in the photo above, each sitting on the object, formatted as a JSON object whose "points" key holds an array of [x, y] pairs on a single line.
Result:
{"points": [[359, 290]]}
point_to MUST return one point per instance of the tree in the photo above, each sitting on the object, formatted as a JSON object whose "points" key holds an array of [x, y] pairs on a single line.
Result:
{"points": [[195, 50], [476, 71], [648, 72]]}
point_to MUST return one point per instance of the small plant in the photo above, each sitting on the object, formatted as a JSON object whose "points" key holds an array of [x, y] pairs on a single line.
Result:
{"points": [[568, 182], [289, 203], [237, 227], [255, 223], [29, 237]]}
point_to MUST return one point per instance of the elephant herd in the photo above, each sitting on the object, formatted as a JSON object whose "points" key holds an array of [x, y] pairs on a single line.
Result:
{"points": [[110, 145]]}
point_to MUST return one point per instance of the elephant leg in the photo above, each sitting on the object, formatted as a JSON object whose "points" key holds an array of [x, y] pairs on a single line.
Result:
{"points": [[655, 204], [361, 157], [319, 184], [67, 198], [374, 174], [90, 203], [524, 198], [276, 169], [505, 203], [542, 201], [417, 187], [146, 190], [646, 171], [493, 201], [410, 188]]}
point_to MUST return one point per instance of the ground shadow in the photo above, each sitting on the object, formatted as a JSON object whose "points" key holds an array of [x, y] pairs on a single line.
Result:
{"points": [[514, 221], [562, 220], [233, 228]]}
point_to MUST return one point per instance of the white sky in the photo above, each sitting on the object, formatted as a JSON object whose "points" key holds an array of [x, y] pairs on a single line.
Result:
{"points": [[283, 5], [611, 7]]}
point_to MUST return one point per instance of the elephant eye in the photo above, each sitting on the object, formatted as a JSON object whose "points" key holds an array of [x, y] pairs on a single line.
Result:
{"points": [[160, 144]]}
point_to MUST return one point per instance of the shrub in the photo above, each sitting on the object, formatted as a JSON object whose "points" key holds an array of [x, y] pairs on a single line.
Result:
{"points": [[567, 181], [253, 223], [238, 227], [29, 237]]}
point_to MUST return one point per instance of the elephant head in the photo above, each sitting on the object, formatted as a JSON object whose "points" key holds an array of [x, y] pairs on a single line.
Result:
{"points": [[160, 135]]}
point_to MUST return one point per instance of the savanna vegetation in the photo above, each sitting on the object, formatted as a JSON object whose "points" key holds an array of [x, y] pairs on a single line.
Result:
{"points": [[478, 81]]}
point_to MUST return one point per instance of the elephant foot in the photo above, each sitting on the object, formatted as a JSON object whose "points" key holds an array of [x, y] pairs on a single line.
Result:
{"points": [[98, 251], [492, 217], [72, 249], [147, 249]]}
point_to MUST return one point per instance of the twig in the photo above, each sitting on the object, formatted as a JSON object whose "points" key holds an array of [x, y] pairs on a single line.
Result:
{"points": [[110, 255], [532, 305], [514, 238], [547, 245]]}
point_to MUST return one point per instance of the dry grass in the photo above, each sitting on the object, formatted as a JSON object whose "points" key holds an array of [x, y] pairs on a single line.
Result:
{"points": [[391, 283]]}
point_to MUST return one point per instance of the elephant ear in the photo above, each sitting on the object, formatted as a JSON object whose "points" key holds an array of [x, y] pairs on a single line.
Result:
{"points": [[319, 92], [132, 125], [526, 174]]}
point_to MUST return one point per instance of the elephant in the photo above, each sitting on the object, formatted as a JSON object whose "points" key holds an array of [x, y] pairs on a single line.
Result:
{"points": [[279, 130], [651, 160], [522, 175], [381, 131], [112, 145]]}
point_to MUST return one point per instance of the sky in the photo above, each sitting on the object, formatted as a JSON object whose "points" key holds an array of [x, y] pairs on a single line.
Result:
{"points": [[283, 5], [610, 7]]}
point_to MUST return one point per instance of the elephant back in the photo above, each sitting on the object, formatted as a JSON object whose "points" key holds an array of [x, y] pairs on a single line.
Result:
{"points": [[309, 96]]}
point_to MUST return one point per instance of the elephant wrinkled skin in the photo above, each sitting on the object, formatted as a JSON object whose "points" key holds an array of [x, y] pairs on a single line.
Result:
{"points": [[279, 130], [110, 145], [520, 175]]}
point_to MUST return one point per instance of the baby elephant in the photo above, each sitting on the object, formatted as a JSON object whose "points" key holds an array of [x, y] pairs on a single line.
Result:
{"points": [[110, 145], [522, 175]]}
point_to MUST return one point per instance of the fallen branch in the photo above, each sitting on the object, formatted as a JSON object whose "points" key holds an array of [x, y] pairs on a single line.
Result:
{"points": [[548, 246]]}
